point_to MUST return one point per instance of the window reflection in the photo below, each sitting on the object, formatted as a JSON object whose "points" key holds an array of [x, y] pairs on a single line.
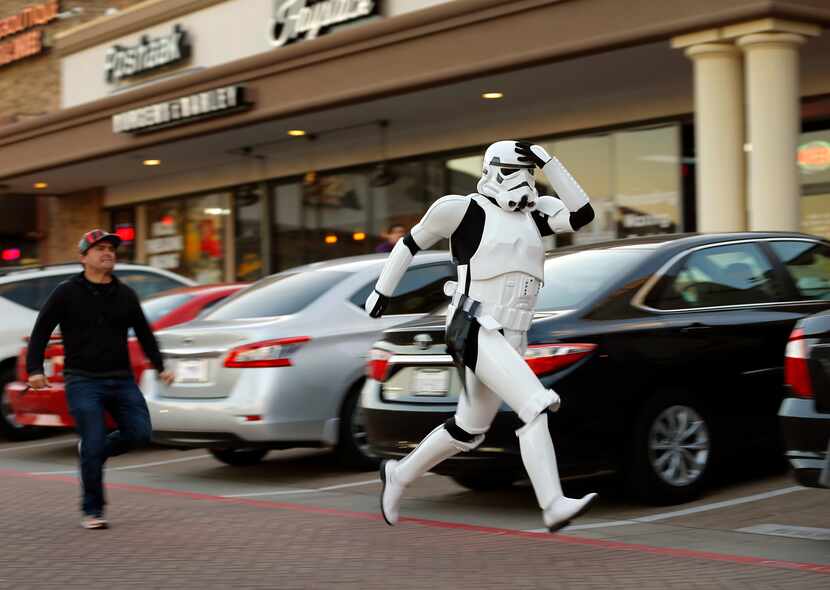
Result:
{"points": [[814, 170]]}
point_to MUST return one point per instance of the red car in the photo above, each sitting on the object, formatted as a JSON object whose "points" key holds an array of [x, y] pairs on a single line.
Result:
{"points": [[47, 407]]}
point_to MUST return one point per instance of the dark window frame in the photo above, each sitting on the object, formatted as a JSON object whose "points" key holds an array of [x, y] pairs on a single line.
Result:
{"points": [[358, 297], [655, 294]]}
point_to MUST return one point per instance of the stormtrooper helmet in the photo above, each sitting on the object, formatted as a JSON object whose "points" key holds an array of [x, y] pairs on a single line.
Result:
{"points": [[507, 180]]}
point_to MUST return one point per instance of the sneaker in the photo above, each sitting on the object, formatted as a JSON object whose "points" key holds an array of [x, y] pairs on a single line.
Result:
{"points": [[94, 522]]}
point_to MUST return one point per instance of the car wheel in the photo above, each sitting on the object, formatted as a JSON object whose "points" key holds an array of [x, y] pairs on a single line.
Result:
{"points": [[353, 442], [9, 426], [486, 481], [671, 451], [239, 457]]}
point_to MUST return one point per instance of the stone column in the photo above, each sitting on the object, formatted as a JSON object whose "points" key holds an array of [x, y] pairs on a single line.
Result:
{"points": [[774, 125], [719, 137]]}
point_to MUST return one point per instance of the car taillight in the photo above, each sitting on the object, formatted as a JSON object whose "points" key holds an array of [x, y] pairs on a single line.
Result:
{"points": [[796, 370], [377, 364], [549, 358], [269, 353]]}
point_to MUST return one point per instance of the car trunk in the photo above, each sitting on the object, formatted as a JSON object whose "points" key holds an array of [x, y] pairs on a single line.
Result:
{"points": [[196, 353]]}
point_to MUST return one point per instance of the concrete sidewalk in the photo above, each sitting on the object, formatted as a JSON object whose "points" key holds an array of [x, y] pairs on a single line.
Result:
{"points": [[162, 538]]}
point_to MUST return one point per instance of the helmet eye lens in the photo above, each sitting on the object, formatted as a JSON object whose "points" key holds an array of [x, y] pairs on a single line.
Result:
{"points": [[509, 171]]}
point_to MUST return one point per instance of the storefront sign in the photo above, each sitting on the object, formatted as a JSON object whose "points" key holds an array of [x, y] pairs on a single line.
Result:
{"points": [[814, 156], [307, 19], [165, 261], [158, 245], [150, 53], [31, 42], [218, 101]]}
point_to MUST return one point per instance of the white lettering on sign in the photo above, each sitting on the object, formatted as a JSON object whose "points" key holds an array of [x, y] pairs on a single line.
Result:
{"points": [[295, 18], [149, 54], [165, 261], [180, 110], [158, 245]]}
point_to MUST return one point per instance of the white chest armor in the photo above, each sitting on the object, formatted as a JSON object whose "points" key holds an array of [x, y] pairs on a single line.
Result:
{"points": [[510, 243], [506, 270]]}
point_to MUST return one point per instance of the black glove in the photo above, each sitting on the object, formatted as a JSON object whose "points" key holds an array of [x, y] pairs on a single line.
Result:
{"points": [[376, 304], [526, 154]]}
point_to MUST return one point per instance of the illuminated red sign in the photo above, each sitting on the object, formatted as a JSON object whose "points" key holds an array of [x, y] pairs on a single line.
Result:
{"points": [[11, 254], [31, 42], [126, 233]]}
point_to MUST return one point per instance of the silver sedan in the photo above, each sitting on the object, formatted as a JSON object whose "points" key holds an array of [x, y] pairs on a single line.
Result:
{"points": [[281, 363]]}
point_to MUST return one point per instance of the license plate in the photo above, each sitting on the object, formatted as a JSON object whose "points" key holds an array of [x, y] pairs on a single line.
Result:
{"points": [[432, 382], [192, 371]]}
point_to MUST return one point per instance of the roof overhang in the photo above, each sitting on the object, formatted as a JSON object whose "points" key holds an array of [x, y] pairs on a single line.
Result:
{"points": [[417, 52]]}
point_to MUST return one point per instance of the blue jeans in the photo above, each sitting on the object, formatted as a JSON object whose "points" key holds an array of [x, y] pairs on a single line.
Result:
{"points": [[87, 399]]}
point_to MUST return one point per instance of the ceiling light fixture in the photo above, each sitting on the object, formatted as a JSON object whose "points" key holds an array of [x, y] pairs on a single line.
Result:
{"points": [[151, 162], [296, 132], [40, 185], [492, 95]]}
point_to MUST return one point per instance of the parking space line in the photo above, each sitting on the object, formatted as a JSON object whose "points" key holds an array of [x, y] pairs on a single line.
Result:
{"points": [[37, 445], [685, 511], [306, 491], [125, 467]]}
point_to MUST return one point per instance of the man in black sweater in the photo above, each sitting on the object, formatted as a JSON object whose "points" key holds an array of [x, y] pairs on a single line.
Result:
{"points": [[95, 312]]}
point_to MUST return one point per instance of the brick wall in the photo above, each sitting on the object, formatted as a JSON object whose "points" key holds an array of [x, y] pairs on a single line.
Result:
{"points": [[65, 219], [31, 87]]}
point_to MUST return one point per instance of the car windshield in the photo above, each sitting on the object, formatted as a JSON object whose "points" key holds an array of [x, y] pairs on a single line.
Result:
{"points": [[281, 294], [157, 307], [570, 279]]}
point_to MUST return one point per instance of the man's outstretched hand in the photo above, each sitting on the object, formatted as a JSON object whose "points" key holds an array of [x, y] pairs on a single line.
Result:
{"points": [[38, 381], [167, 377]]}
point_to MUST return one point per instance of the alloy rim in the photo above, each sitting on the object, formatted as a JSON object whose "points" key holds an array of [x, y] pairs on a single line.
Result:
{"points": [[679, 445]]}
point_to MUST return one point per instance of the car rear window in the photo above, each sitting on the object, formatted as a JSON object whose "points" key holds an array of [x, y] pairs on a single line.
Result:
{"points": [[570, 279], [32, 293], [156, 308], [281, 294]]}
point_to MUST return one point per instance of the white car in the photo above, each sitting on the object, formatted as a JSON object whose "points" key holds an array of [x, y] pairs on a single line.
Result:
{"points": [[23, 291]]}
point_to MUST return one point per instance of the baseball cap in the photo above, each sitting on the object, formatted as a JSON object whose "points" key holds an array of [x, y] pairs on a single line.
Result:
{"points": [[94, 236]]}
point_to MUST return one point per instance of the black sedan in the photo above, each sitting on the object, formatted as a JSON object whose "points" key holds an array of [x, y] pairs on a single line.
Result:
{"points": [[667, 353], [805, 414]]}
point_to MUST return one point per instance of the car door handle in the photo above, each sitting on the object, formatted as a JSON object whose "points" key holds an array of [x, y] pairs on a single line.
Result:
{"points": [[695, 328]]}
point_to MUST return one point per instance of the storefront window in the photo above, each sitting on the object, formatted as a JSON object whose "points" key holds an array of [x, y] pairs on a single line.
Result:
{"points": [[187, 236], [122, 222], [248, 204], [320, 217], [18, 225], [401, 195], [632, 178], [814, 171]]}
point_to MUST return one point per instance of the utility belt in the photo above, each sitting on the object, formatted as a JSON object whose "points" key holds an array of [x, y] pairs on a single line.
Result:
{"points": [[490, 316]]}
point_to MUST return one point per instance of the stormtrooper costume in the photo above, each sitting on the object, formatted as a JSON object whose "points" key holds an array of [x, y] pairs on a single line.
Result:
{"points": [[496, 242]]}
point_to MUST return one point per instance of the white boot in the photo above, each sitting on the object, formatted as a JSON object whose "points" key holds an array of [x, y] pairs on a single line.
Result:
{"points": [[540, 462], [396, 475]]}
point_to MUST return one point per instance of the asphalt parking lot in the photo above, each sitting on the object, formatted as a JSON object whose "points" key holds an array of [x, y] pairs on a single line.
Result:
{"points": [[300, 520]]}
